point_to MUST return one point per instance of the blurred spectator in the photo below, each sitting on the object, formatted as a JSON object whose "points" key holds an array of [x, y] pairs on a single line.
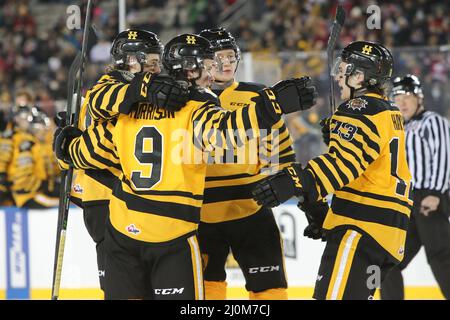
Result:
{"points": [[100, 51], [38, 56]]}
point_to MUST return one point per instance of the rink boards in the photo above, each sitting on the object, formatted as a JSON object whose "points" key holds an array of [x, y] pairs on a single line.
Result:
{"points": [[28, 244]]}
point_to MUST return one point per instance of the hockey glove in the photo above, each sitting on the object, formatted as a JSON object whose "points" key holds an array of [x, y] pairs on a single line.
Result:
{"points": [[60, 119], [3, 181], [325, 124], [315, 214], [3, 122], [61, 141], [295, 94], [167, 93], [279, 187]]}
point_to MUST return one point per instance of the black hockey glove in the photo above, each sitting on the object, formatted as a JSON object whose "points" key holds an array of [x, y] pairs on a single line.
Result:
{"points": [[295, 94], [61, 141], [279, 187], [325, 124], [3, 121], [315, 214], [60, 119], [167, 93]]}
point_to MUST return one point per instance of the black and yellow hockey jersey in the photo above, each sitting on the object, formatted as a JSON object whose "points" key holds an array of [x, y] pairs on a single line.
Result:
{"points": [[111, 95], [160, 192], [26, 171], [6, 152], [48, 171], [230, 180], [366, 169], [90, 187], [115, 94]]}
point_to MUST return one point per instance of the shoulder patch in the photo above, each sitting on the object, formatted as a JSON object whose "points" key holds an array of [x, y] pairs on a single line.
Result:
{"points": [[357, 104], [365, 105]]}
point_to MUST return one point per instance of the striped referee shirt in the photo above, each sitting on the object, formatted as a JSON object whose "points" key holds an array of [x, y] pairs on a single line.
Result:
{"points": [[428, 151]]}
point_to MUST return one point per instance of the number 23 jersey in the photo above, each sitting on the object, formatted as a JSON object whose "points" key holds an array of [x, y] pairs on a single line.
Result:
{"points": [[366, 168]]}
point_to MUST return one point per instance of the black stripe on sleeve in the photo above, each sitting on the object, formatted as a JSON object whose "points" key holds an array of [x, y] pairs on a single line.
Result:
{"points": [[358, 145], [327, 173], [100, 106], [97, 157], [323, 190], [101, 146], [113, 98], [350, 152], [342, 175], [247, 124], [361, 118], [347, 163]]}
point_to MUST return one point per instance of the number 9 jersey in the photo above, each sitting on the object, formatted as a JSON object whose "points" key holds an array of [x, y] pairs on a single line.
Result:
{"points": [[162, 156], [366, 168]]}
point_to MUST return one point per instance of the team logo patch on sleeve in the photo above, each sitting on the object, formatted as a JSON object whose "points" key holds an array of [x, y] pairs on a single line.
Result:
{"points": [[132, 229], [77, 188], [357, 104]]}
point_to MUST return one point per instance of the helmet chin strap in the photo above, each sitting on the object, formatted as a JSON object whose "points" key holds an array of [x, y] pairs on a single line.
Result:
{"points": [[142, 67], [353, 90], [193, 81]]}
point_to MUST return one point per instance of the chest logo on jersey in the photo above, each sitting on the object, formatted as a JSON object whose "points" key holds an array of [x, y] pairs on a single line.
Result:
{"points": [[357, 104], [239, 104], [133, 229]]}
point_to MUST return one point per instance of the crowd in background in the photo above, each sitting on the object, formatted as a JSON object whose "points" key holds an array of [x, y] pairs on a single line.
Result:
{"points": [[287, 35]]}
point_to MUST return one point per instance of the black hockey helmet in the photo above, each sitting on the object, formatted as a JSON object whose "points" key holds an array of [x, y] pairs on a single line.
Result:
{"points": [[373, 59], [23, 114], [409, 84], [24, 111], [136, 42], [39, 117], [221, 39], [186, 52]]}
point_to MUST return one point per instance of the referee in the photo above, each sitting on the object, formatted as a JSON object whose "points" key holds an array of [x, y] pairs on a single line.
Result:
{"points": [[428, 156]]}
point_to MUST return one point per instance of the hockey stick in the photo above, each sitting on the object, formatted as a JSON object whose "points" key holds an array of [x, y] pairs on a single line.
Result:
{"points": [[334, 34], [74, 87], [74, 68]]}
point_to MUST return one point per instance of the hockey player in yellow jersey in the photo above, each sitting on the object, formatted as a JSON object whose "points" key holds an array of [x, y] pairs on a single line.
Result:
{"points": [[366, 169], [230, 219], [47, 167], [27, 174], [6, 148], [135, 54], [155, 207]]}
